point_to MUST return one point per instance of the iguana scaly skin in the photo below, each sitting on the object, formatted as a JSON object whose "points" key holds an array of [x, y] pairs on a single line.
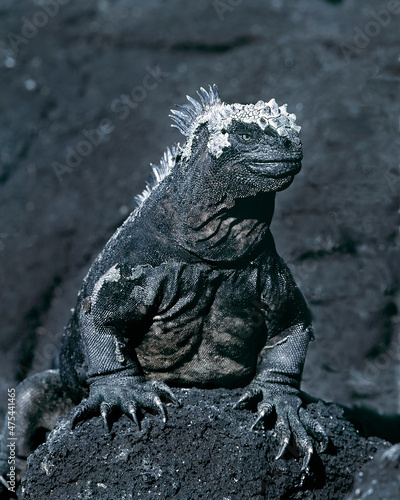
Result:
{"points": [[190, 290]]}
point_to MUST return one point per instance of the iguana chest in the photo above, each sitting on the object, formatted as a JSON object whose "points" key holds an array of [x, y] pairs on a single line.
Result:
{"points": [[209, 328]]}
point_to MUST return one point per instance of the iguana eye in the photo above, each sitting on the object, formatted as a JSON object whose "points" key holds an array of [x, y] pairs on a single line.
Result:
{"points": [[246, 137]]}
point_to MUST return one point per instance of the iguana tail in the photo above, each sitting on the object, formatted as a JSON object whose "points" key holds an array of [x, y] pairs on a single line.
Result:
{"points": [[39, 401]]}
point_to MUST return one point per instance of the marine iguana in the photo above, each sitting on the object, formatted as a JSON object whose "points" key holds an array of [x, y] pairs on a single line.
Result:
{"points": [[190, 289]]}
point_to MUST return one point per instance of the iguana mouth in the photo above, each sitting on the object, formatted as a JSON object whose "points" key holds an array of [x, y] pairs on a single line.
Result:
{"points": [[276, 169]]}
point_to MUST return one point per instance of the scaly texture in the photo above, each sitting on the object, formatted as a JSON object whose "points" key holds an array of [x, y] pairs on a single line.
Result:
{"points": [[190, 289]]}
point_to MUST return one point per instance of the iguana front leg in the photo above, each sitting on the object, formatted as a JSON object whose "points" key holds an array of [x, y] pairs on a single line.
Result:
{"points": [[122, 303], [278, 383], [125, 390]]}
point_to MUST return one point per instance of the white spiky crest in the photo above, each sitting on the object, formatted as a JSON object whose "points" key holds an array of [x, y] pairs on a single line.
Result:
{"points": [[219, 116], [159, 172]]}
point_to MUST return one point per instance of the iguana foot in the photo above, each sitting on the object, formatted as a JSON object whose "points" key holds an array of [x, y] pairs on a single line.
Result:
{"points": [[125, 393], [292, 419]]}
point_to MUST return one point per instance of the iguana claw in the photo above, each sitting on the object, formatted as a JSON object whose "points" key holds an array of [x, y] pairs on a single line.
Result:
{"points": [[292, 420], [130, 393]]}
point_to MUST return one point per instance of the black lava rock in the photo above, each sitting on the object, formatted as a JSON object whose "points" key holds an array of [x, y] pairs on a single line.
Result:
{"points": [[206, 450]]}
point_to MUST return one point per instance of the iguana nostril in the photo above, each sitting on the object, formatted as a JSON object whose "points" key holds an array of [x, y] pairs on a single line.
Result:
{"points": [[287, 143]]}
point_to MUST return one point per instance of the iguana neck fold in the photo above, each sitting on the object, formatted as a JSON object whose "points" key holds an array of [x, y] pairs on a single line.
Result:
{"points": [[209, 224], [225, 233]]}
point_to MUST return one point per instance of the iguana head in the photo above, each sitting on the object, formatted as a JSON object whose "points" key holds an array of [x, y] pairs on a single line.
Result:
{"points": [[215, 194], [253, 147]]}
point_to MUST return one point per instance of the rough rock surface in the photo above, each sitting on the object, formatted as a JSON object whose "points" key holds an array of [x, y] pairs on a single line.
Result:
{"points": [[205, 450]]}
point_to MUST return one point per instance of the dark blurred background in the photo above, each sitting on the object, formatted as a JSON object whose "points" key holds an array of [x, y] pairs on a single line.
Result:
{"points": [[85, 92]]}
